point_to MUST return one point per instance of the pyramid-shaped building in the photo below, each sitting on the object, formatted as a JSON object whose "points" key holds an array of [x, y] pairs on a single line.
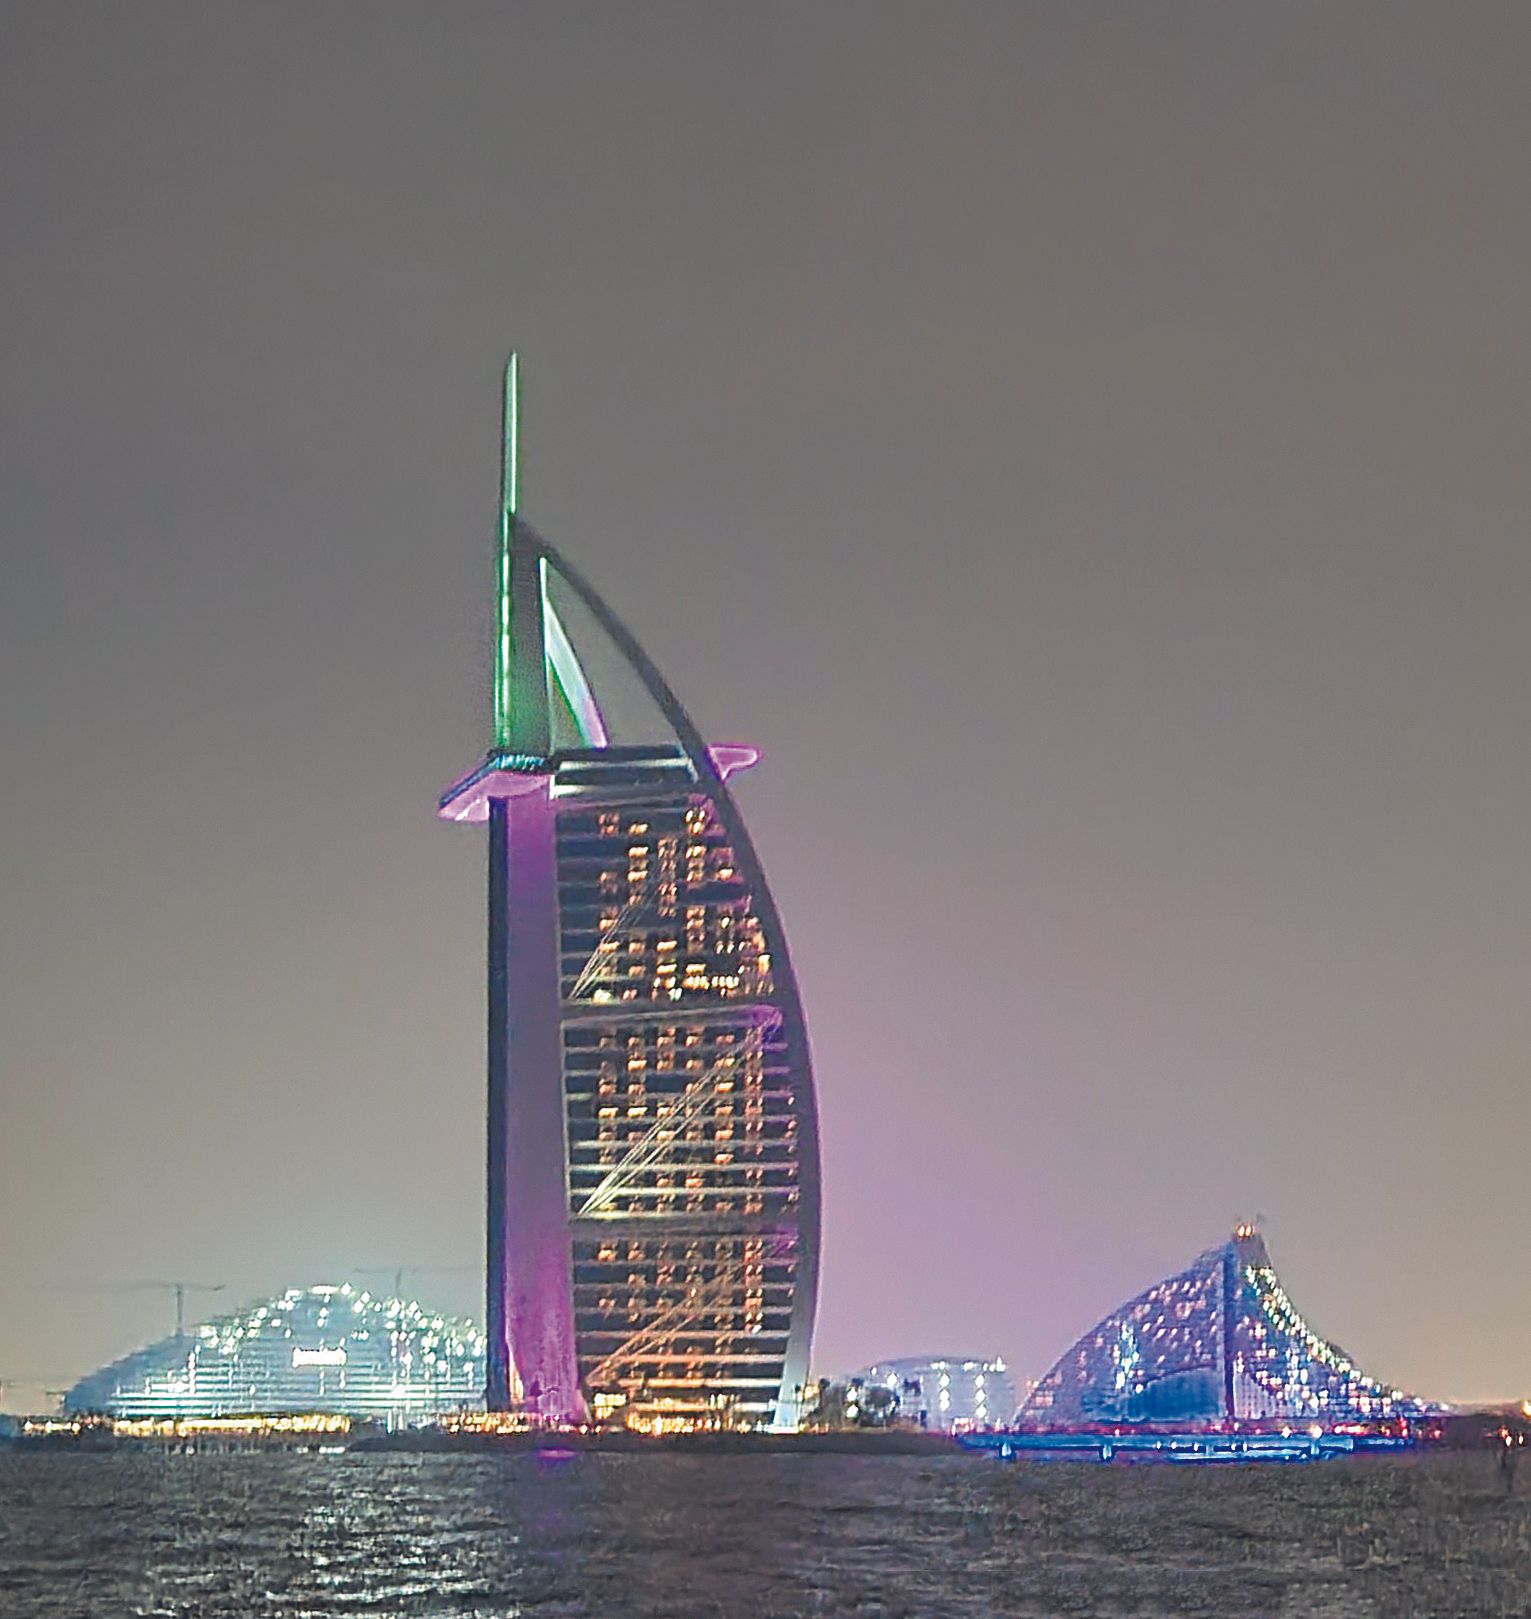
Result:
{"points": [[1217, 1345]]}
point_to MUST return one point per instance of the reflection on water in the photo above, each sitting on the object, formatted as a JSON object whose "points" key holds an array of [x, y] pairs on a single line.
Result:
{"points": [[749, 1537]]}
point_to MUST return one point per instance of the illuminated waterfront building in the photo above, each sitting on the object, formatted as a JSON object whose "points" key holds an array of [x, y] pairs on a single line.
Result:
{"points": [[946, 1391], [653, 1200], [310, 1350], [1219, 1343]]}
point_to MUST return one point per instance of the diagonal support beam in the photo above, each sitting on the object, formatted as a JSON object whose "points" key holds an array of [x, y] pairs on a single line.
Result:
{"points": [[651, 1145], [596, 968], [697, 1299]]}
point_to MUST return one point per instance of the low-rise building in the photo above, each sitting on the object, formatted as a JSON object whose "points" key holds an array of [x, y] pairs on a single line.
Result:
{"points": [[945, 1392]]}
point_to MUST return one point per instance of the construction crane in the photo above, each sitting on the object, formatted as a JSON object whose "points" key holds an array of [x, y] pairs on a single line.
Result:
{"points": [[399, 1272], [180, 1290], [43, 1385]]}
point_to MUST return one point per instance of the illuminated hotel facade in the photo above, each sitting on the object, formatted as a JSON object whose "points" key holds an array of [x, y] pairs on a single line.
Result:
{"points": [[315, 1349], [1218, 1345], [653, 1172]]}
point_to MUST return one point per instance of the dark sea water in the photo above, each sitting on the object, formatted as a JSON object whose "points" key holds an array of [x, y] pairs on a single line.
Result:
{"points": [[749, 1537]]}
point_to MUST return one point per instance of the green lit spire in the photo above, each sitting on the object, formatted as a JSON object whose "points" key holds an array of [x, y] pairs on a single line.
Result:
{"points": [[502, 642], [521, 720]]}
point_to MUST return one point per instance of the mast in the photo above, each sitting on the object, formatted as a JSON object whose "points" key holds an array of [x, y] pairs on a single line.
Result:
{"points": [[522, 722]]}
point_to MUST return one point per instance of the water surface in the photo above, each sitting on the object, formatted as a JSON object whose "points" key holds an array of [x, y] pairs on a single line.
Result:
{"points": [[749, 1537]]}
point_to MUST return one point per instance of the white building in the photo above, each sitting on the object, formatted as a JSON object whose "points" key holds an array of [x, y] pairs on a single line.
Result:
{"points": [[948, 1392]]}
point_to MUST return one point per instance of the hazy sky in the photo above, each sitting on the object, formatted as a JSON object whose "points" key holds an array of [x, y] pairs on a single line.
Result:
{"points": [[1084, 446]]}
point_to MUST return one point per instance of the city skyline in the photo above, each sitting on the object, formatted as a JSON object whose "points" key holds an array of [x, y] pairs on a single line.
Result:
{"points": [[1082, 453]]}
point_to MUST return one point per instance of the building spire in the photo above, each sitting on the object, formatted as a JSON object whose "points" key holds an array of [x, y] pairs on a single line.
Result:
{"points": [[521, 719]]}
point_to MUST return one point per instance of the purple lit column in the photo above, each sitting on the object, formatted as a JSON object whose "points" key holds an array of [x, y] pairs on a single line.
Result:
{"points": [[530, 1295]]}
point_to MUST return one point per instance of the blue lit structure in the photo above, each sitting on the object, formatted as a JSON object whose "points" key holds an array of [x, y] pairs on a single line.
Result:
{"points": [[1216, 1346], [309, 1349], [1188, 1446]]}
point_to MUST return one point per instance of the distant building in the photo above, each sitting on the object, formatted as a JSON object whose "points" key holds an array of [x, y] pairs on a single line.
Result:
{"points": [[1216, 1344], [946, 1391], [311, 1349]]}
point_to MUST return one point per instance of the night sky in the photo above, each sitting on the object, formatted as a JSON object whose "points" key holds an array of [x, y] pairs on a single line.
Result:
{"points": [[1085, 448]]}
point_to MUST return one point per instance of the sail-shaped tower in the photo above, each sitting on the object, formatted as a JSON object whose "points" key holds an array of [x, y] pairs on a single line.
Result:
{"points": [[653, 1168]]}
